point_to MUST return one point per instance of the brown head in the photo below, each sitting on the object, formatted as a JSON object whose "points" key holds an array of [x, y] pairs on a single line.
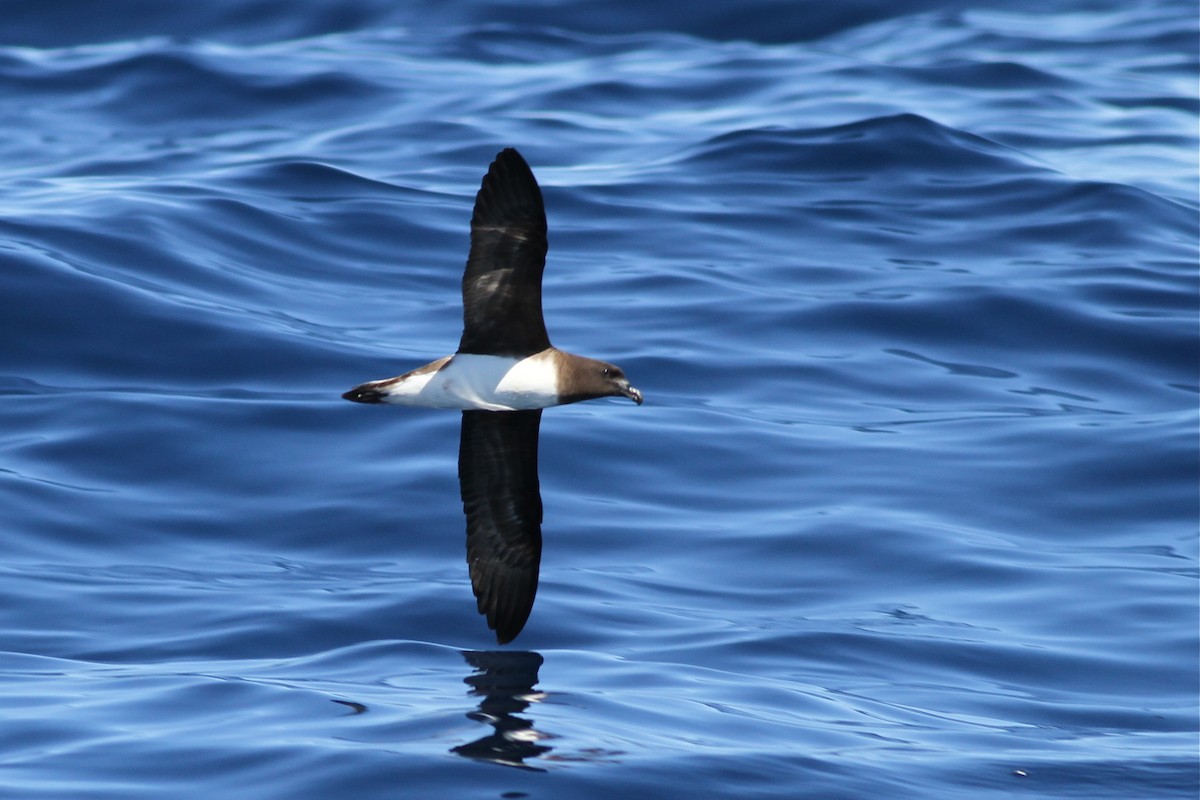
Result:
{"points": [[581, 378]]}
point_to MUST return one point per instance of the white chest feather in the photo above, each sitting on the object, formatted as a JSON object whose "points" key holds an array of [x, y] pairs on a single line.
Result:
{"points": [[492, 383]]}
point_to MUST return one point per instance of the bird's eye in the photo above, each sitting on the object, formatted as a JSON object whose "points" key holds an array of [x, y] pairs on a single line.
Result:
{"points": [[606, 371]]}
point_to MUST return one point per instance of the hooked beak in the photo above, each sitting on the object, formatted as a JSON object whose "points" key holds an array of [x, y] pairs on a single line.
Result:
{"points": [[632, 393]]}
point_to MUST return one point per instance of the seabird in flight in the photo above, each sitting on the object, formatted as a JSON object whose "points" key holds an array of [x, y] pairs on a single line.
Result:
{"points": [[504, 373]]}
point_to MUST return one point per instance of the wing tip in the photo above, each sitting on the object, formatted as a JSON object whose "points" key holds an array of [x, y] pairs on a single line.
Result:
{"points": [[509, 185], [510, 155], [507, 609], [506, 635]]}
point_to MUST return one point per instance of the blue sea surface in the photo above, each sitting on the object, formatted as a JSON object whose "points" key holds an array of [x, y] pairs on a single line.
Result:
{"points": [[910, 511]]}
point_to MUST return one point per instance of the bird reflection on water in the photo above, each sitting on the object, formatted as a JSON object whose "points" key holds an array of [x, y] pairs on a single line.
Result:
{"points": [[504, 681]]}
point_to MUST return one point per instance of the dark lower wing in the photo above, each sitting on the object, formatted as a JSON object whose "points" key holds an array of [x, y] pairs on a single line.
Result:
{"points": [[502, 284], [497, 472]]}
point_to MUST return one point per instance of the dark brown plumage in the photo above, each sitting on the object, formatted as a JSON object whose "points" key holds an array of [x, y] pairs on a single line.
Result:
{"points": [[498, 477], [502, 285]]}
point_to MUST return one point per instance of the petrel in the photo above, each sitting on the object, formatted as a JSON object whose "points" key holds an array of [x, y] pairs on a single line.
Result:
{"points": [[504, 373]]}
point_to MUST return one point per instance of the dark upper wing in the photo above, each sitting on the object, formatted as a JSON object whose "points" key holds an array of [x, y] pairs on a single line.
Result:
{"points": [[502, 286], [497, 472]]}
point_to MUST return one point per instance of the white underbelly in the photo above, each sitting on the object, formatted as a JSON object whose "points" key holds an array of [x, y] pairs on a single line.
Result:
{"points": [[491, 383]]}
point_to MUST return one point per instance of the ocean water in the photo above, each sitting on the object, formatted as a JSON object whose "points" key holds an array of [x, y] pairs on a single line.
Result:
{"points": [[910, 510]]}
